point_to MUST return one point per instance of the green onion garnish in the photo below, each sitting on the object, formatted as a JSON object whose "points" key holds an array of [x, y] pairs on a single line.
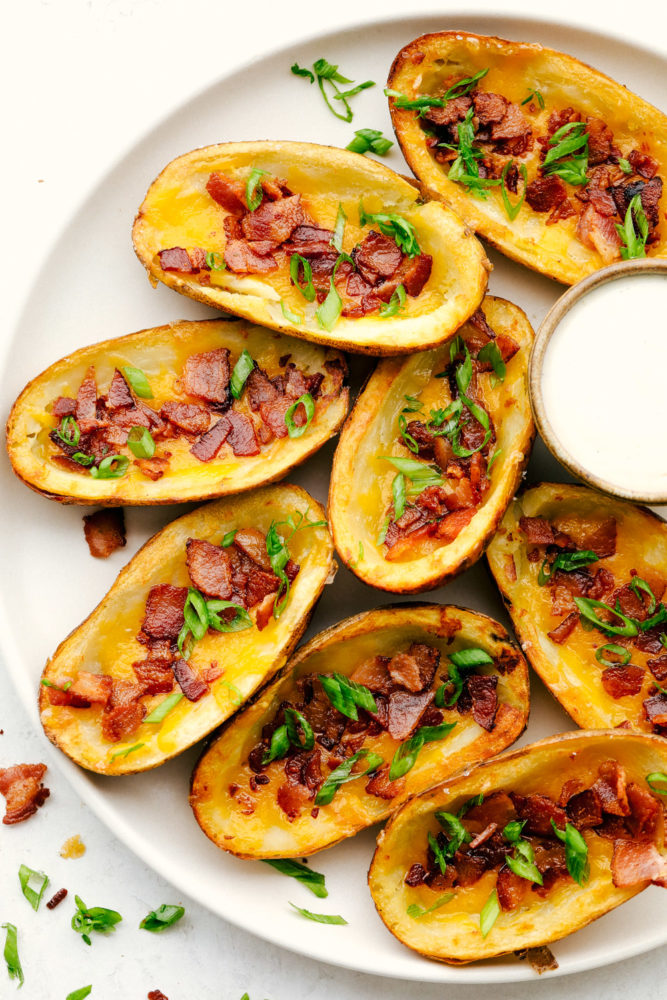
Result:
{"points": [[11, 953], [369, 140], [391, 224], [138, 382], [140, 442], [161, 711], [33, 893], [395, 304], [97, 919], [254, 193], [302, 873], [343, 774], [165, 916], [576, 852], [307, 289], [320, 918], [308, 404], [406, 755], [489, 915], [242, 369], [111, 467]]}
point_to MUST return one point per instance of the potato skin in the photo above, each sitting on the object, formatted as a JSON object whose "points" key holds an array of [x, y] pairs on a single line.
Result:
{"points": [[452, 935], [165, 348], [460, 266], [268, 833], [570, 671], [516, 68], [370, 430], [106, 641]]}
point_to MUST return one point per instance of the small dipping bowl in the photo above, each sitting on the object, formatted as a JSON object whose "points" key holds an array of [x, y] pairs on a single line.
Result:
{"points": [[598, 380]]}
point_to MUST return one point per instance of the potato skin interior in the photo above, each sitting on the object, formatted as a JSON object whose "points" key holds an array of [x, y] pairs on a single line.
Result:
{"points": [[451, 933], [177, 211], [106, 641], [360, 488], [515, 70], [266, 831], [161, 353]]}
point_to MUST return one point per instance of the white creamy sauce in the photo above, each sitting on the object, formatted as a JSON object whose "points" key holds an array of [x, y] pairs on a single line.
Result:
{"points": [[604, 382]]}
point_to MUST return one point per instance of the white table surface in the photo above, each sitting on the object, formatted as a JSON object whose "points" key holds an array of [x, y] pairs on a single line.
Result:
{"points": [[82, 80]]}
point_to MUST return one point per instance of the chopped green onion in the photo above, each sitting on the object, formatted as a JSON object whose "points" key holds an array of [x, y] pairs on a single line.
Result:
{"points": [[254, 193], [329, 312], [97, 919], [567, 562], [290, 315], [398, 494], [324, 71], [11, 954], [497, 453], [278, 747], [49, 684], [302, 873], [320, 918], [490, 354], [513, 210], [634, 231], [611, 647], [489, 915], [659, 779], [410, 442], [438, 853], [395, 304], [343, 774], [457, 835], [625, 165], [242, 369], [308, 404], [420, 474], [215, 262], [406, 754], [308, 289], [85, 460], [638, 584], [459, 89], [391, 224], [512, 830], [111, 467], [522, 862], [536, 95], [413, 404], [69, 431], [383, 531], [561, 160], [162, 710], [353, 91], [138, 382], [165, 916], [239, 622], [296, 724], [140, 442], [339, 229], [80, 994], [576, 852], [345, 695], [586, 607], [228, 538], [417, 912], [33, 893], [126, 751], [302, 71], [278, 557], [369, 140]]}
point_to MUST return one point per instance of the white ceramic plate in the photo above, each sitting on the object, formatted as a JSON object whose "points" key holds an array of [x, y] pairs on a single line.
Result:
{"points": [[91, 288]]}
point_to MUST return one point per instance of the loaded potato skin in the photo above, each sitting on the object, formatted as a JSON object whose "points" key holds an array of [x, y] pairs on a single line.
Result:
{"points": [[552, 155], [592, 784], [417, 718], [203, 615], [191, 411], [432, 453], [313, 241], [565, 557]]}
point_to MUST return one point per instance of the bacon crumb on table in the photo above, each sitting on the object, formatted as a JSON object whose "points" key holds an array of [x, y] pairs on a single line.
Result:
{"points": [[23, 790], [56, 899], [157, 995], [105, 531]]}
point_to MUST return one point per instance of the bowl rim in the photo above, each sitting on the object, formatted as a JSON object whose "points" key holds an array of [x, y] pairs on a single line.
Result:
{"points": [[562, 306]]}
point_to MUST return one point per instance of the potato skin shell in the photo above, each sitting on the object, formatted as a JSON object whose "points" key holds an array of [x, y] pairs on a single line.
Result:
{"points": [[573, 678], [267, 832], [106, 639], [460, 269], [564, 82], [169, 344], [455, 938], [351, 524]]}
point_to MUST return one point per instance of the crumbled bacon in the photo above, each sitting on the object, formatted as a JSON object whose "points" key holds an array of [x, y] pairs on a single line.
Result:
{"points": [[633, 862], [274, 221], [56, 899], [176, 259], [374, 674], [454, 111], [378, 256], [241, 435], [480, 696], [64, 406], [650, 193], [154, 675], [154, 468], [511, 889], [655, 709], [119, 395], [404, 712], [544, 193], [538, 530], [538, 811], [104, 531], [227, 192], [309, 241], [599, 233], [658, 667], [21, 785], [415, 669], [187, 416], [643, 164], [209, 568], [210, 443], [206, 375], [600, 141], [611, 788], [584, 809], [241, 258], [164, 611], [595, 534], [620, 681], [646, 814], [380, 785], [192, 686]]}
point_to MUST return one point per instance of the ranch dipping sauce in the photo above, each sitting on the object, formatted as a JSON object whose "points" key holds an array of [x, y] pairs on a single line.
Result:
{"points": [[604, 385]]}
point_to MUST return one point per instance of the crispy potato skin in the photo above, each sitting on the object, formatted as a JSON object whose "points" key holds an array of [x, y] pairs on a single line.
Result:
{"points": [[162, 351], [267, 832], [516, 68], [570, 670], [326, 176], [105, 641], [451, 934], [357, 509]]}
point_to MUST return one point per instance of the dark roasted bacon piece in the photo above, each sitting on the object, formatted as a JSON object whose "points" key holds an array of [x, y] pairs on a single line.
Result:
{"points": [[187, 417], [177, 259], [611, 788], [23, 790], [378, 256], [620, 681], [119, 395], [655, 709], [206, 375], [404, 712], [209, 568], [56, 898], [210, 443], [480, 696], [415, 669], [154, 675], [64, 406], [192, 686], [545, 193], [538, 811], [634, 862], [227, 192], [164, 611], [104, 531]]}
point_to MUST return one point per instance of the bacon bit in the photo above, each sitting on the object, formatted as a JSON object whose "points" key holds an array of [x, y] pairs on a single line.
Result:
{"points": [[479, 694], [21, 785], [600, 141], [545, 193], [64, 406], [56, 898], [415, 875], [153, 468], [599, 233], [274, 221], [164, 611], [378, 256], [86, 404], [454, 111], [512, 125], [309, 241], [264, 612], [415, 669], [187, 416], [413, 274], [449, 527], [404, 712], [123, 721], [72, 849], [242, 436], [585, 809], [210, 443], [658, 667], [209, 568], [292, 798], [104, 531], [252, 542], [227, 192], [633, 862], [611, 788], [380, 785], [483, 836], [649, 641], [655, 709], [540, 959], [538, 811], [119, 395], [563, 210], [646, 816], [602, 201], [620, 682], [176, 259], [206, 375], [511, 889], [598, 535], [157, 995], [373, 674], [192, 686], [155, 675], [537, 530], [91, 688], [649, 192], [490, 109], [643, 164]]}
